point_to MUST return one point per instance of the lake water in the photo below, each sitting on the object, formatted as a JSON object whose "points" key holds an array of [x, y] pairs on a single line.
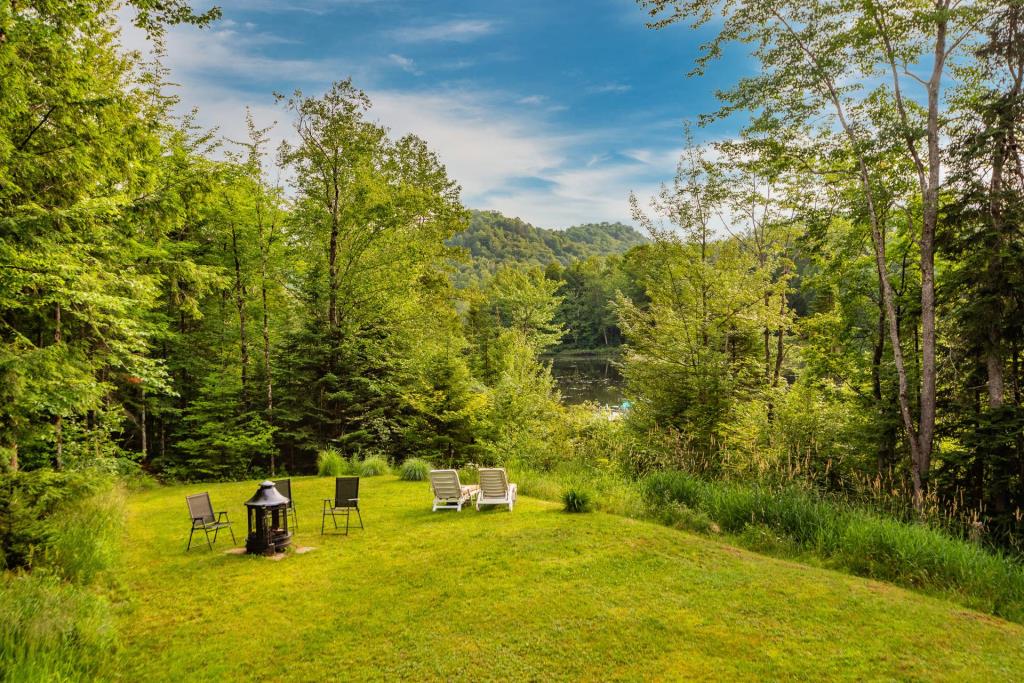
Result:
{"points": [[587, 378]]}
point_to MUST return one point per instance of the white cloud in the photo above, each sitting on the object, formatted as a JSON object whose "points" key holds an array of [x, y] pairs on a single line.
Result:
{"points": [[456, 30], [481, 143], [404, 63], [487, 146], [609, 88]]}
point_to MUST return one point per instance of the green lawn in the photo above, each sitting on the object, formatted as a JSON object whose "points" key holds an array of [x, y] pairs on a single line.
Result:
{"points": [[536, 594]]}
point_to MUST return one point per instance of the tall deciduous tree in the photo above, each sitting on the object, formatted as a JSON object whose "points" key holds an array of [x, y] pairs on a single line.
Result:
{"points": [[817, 59]]}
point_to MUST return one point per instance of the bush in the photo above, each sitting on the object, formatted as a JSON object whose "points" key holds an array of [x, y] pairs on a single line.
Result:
{"points": [[576, 499], [330, 463], [65, 522], [373, 466], [414, 469]]}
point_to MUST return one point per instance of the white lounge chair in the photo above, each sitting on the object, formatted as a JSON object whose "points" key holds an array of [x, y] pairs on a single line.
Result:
{"points": [[495, 489], [449, 493]]}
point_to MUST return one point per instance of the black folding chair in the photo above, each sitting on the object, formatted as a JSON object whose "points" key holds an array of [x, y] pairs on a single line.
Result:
{"points": [[203, 519], [284, 487], [346, 499]]}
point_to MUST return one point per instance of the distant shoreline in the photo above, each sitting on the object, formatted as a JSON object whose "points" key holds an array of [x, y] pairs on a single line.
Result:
{"points": [[608, 352]]}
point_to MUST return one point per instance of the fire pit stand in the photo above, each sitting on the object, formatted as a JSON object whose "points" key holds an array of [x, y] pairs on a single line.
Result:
{"points": [[268, 521]]}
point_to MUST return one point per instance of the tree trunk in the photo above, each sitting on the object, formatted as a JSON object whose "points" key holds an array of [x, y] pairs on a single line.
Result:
{"points": [[240, 305], [994, 368], [58, 420], [832, 92], [930, 216], [145, 446], [266, 365], [332, 308]]}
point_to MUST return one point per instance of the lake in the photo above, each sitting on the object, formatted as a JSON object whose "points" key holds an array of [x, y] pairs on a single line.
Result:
{"points": [[587, 378]]}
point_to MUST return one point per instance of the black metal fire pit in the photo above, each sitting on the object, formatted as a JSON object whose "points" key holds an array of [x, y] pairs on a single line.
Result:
{"points": [[268, 521]]}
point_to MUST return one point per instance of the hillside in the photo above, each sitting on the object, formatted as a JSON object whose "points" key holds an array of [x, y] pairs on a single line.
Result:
{"points": [[532, 595], [493, 239]]}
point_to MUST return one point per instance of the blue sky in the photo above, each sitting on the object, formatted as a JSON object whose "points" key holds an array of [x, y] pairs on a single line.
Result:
{"points": [[550, 110]]}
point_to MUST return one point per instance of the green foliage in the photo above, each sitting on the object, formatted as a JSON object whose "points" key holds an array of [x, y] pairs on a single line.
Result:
{"points": [[795, 521], [53, 630], [414, 469], [65, 523], [576, 499], [373, 466], [495, 241], [331, 463], [59, 533]]}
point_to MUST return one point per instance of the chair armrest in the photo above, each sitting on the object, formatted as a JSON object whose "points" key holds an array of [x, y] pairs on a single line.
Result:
{"points": [[351, 499], [224, 514]]}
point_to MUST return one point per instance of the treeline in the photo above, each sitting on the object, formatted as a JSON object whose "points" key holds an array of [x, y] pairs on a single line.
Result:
{"points": [[591, 263], [493, 240], [835, 294], [163, 305]]}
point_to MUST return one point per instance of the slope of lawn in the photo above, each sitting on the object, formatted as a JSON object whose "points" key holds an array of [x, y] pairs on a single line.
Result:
{"points": [[537, 594]]}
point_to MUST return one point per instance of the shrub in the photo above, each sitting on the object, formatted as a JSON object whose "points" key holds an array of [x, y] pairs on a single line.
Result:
{"points": [[373, 466], [414, 469], [66, 522], [576, 499], [330, 463]]}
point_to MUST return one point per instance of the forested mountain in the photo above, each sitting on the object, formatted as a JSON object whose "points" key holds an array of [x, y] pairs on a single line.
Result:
{"points": [[493, 239]]}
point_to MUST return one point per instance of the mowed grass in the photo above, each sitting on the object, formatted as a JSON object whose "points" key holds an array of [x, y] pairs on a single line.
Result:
{"points": [[537, 594]]}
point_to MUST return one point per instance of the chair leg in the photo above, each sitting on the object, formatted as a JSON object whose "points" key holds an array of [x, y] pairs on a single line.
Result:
{"points": [[323, 519], [189, 546], [334, 519], [233, 541], [215, 532], [348, 516], [360, 514], [208, 539]]}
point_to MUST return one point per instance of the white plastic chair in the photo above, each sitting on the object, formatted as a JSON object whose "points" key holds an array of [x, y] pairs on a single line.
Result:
{"points": [[449, 493], [495, 488]]}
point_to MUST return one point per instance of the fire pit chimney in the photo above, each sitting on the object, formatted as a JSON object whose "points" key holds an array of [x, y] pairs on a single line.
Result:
{"points": [[268, 521]]}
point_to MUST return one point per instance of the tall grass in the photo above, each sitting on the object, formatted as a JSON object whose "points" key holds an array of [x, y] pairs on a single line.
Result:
{"points": [[331, 463], [791, 520], [414, 469], [609, 492], [59, 534], [576, 499], [373, 466], [52, 630]]}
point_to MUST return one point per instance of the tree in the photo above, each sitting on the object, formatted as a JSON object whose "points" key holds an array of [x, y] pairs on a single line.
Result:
{"points": [[811, 53], [78, 144], [691, 352]]}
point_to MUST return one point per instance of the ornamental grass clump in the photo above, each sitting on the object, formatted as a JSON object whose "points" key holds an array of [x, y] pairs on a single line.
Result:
{"points": [[330, 463], [414, 469], [576, 499], [373, 466]]}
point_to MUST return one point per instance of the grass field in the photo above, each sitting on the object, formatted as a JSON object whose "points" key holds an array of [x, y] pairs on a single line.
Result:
{"points": [[533, 595]]}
